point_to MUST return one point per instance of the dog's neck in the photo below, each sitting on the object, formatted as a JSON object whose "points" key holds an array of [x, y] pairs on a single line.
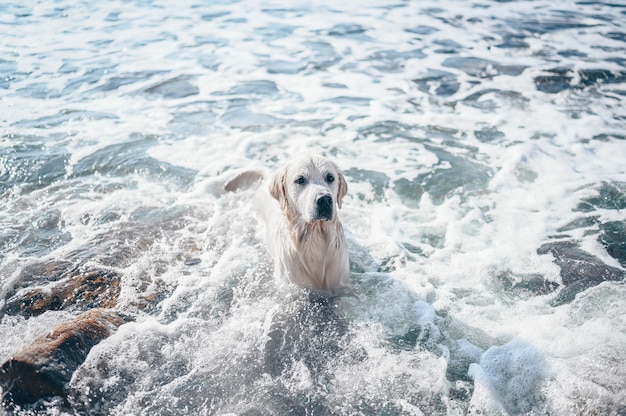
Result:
{"points": [[319, 232], [304, 232], [311, 244]]}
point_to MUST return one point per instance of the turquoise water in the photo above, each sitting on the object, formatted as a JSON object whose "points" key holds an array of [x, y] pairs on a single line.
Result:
{"points": [[484, 147]]}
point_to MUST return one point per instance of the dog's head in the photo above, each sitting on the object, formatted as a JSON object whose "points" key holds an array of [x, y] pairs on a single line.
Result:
{"points": [[310, 188]]}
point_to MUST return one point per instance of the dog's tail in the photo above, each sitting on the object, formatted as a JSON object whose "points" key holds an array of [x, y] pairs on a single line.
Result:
{"points": [[244, 180]]}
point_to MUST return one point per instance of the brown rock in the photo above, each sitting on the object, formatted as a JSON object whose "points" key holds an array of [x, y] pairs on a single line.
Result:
{"points": [[43, 368], [64, 287]]}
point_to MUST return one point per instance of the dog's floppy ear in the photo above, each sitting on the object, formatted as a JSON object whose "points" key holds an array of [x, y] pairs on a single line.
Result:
{"points": [[343, 188], [278, 189]]}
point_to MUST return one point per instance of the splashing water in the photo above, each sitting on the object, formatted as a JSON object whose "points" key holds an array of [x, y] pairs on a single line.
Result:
{"points": [[484, 147]]}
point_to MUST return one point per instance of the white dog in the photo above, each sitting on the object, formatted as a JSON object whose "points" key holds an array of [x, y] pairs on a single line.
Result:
{"points": [[304, 235]]}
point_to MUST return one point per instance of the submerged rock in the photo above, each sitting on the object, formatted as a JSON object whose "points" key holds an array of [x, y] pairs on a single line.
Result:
{"points": [[579, 269], [613, 238], [611, 195], [523, 286], [61, 286], [43, 368]]}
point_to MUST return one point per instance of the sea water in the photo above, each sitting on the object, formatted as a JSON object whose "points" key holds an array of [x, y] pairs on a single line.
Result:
{"points": [[484, 146]]}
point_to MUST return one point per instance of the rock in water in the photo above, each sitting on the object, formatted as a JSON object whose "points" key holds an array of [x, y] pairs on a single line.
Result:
{"points": [[60, 285], [579, 269], [43, 368]]}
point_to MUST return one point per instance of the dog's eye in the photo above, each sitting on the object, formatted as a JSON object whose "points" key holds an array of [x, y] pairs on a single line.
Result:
{"points": [[330, 178], [300, 180]]}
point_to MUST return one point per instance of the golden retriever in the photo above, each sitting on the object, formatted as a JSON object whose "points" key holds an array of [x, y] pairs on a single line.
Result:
{"points": [[304, 236]]}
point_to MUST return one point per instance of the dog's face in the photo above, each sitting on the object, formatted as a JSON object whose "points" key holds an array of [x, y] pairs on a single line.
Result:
{"points": [[310, 188]]}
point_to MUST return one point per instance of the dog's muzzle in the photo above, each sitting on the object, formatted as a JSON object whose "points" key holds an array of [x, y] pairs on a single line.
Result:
{"points": [[324, 205]]}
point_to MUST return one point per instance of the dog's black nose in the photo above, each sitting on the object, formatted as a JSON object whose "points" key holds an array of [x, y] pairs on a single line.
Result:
{"points": [[324, 206], [324, 201]]}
